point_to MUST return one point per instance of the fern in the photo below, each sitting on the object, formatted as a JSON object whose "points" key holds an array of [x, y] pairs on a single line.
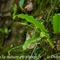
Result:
{"points": [[38, 24]]}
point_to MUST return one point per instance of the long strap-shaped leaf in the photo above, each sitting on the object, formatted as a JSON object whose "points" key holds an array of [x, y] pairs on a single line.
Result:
{"points": [[35, 22], [32, 20], [56, 23], [29, 41]]}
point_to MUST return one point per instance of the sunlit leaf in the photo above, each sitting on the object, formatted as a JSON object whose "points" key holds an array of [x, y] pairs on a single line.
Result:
{"points": [[56, 23], [43, 34], [32, 20]]}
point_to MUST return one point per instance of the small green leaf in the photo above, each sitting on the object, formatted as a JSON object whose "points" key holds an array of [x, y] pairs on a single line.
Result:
{"points": [[7, 31], [43, 34], [15, 9], [21, 2]]}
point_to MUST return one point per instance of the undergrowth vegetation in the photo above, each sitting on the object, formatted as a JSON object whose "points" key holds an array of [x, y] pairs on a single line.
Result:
{"points": [[40, 27]]}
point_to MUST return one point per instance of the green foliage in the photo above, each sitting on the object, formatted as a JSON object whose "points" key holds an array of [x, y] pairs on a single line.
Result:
{"points": [[13, 49], [32, 40], [43, 34], [1, 30], [14, 9], [7, 31], [2, 35], [38, 24], [21, 2], [32, 20], [56, 23], [43, 10]]}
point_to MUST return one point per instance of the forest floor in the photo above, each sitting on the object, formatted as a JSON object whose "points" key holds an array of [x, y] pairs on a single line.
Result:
{"points": [[15, 32]]}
